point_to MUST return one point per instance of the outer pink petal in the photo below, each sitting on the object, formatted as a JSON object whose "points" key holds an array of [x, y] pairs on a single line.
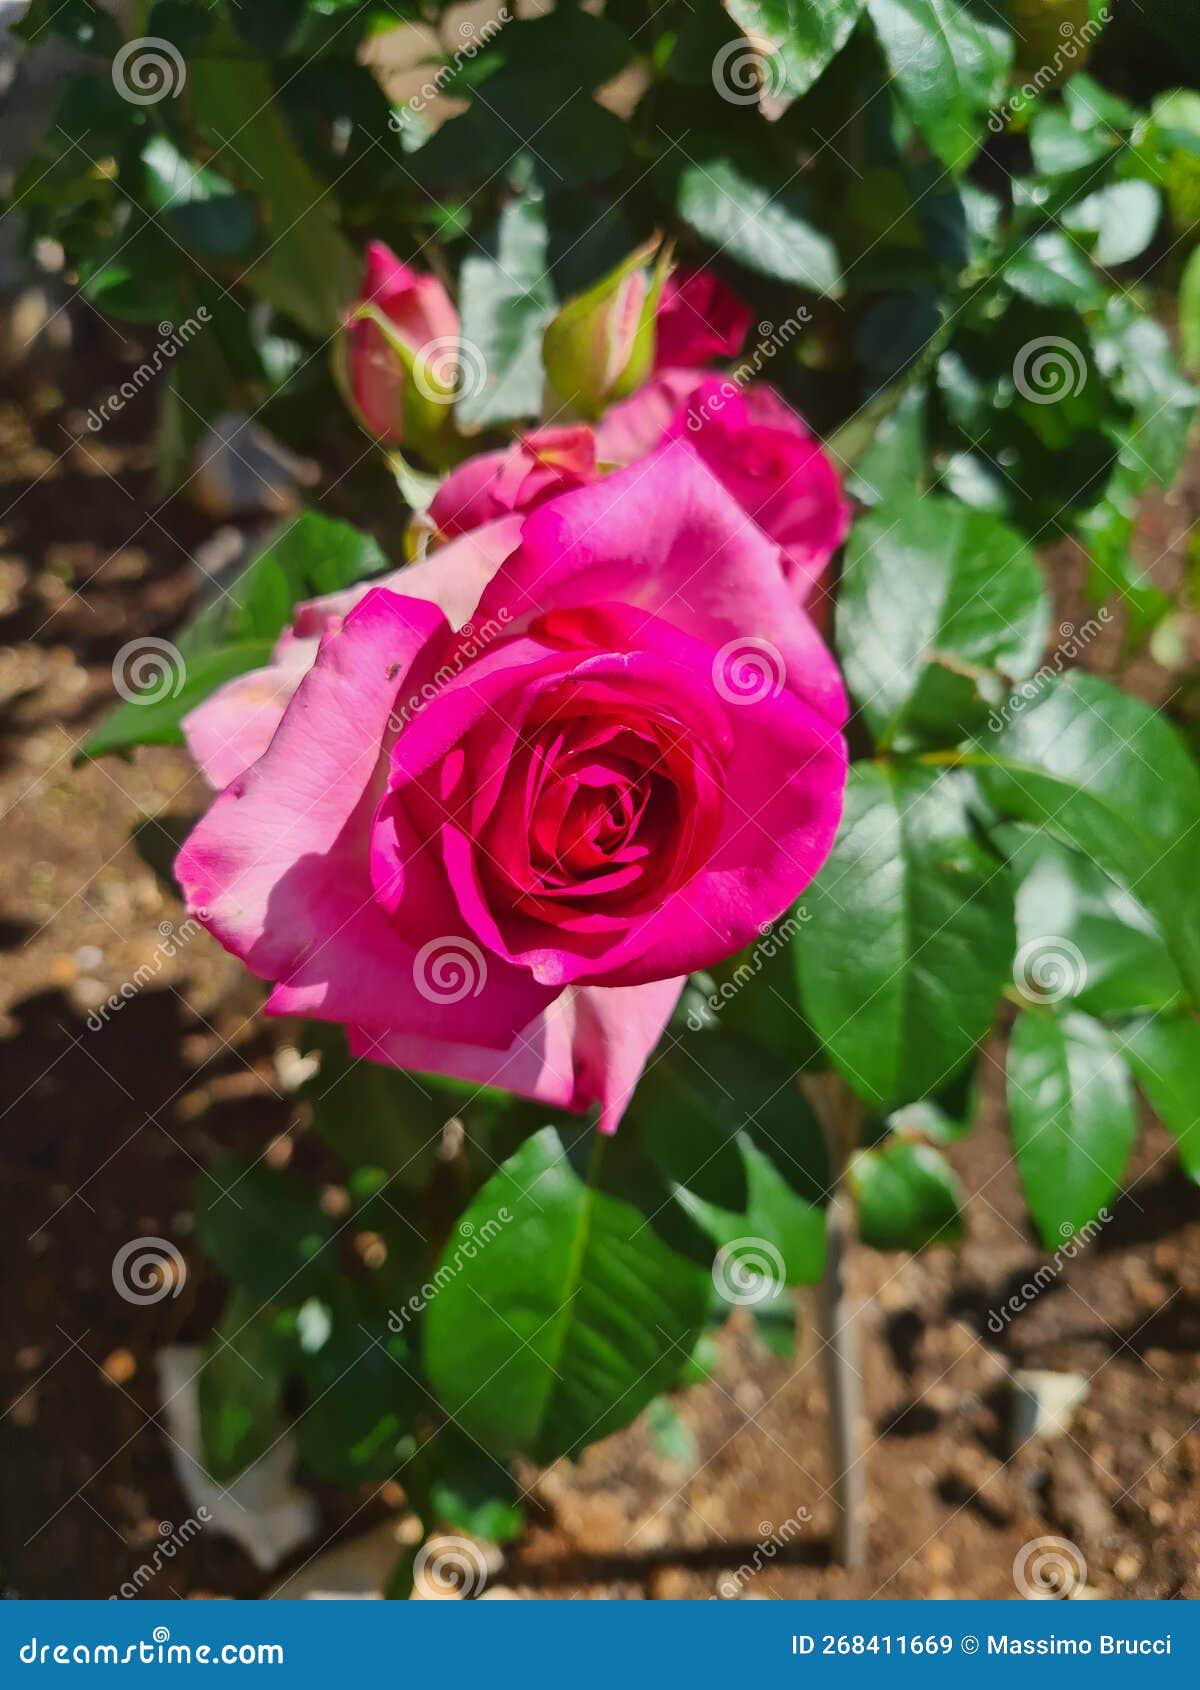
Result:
{"points": [[278, 869], [589, 1046], [233, 727]]}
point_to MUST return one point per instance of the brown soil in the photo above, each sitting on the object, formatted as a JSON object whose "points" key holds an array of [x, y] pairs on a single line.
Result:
{"points": [[105, 1131]]}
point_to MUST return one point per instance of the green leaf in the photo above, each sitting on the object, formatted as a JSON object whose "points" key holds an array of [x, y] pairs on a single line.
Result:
{"points": [[948, 65], [802, 36], [1060, 146], [897, 460], [374, 1116], [363, 1397], [1052, 270], [307, 267], [506, 299], [908, 1197], [1137, 352], [1081, 936], [239, 1388], [1073, 1123], [723, 1122], [1122, 216], [151, 719], [264, 1230], [311, 555], [568, 1321], [1164, 1053], [460, 1487], [753, 212], [1108, 775], [198, 206], [910, 935], [936, 600]]}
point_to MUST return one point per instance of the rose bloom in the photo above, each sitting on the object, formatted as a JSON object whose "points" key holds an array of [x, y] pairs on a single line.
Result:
{"points": [[490, 812]]}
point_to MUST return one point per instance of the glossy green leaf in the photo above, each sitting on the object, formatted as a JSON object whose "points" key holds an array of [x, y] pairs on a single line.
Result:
{"points": [[910, 935], [1122, 216], [1083, 937], [756, 214], [570, 1318], [1108, 775], [1164, 1054], [936, 600], [1051, 270], [799, 38], [1070, 1103], [908, 1197], [948, 63]]}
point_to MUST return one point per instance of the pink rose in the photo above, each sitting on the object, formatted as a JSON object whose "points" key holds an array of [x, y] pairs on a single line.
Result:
{"points": [[513, 804], [539, 465], [699, 318], [401, 359]]}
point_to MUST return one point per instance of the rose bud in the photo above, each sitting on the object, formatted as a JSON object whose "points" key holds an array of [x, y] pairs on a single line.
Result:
{"points": [[699, 318], [601, 344], [400, 352]]}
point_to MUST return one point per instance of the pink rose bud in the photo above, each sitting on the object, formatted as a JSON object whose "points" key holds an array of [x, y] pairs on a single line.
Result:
{"points": [[699, 318], [401, 352], [601, 344]]}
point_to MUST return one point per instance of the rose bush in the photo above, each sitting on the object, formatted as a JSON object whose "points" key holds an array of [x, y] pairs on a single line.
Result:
{"points": [[640, 769]]}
